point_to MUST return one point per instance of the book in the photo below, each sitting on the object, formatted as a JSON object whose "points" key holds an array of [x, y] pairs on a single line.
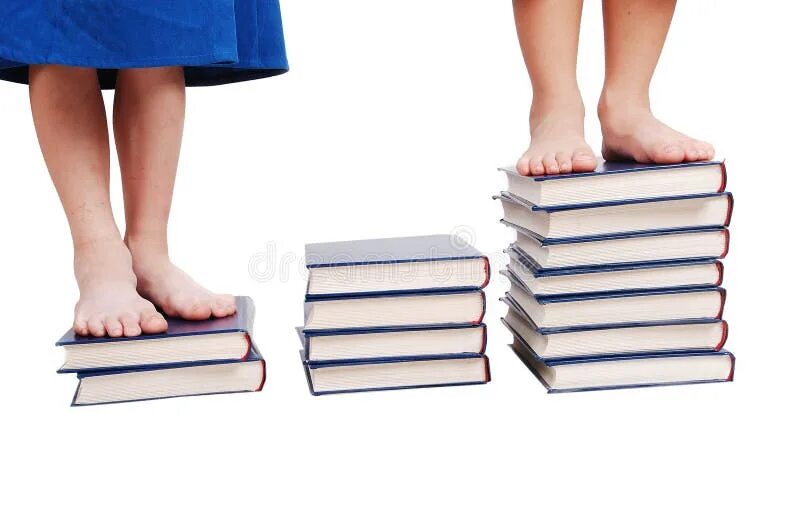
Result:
{"points": [[622, 249], [619, 181], [393, 374], [384, 311], [612, 278], [609, 218], [397, 265], [404, 342], [184, 342], [615, 340], [159, 382], [627, 371], [686, 305]]}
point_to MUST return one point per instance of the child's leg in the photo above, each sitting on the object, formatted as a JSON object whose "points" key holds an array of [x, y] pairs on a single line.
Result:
{"points": [[148, 125], [548, 35], [71, 125], [635, 31]]}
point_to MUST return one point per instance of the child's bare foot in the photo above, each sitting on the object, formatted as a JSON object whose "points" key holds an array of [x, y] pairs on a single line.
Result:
{"points": [[109, 304], [633, 133], [173, 290], [557, 142]]}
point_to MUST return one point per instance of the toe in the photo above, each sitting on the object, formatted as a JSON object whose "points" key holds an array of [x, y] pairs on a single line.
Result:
{"points": [[80, 326], [536, 166], [194, 308], [96, 328], [550, 163], [523, 166], [583, 161], [152, 322], [222, 305], [691, 152], [668, 153], [706, 151], [113, 327], [564, 161], [130, 325]]}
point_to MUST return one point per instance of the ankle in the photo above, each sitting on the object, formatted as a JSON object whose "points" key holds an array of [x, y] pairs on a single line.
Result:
{"points": [[147, 249], [567, 103], [617, 103]]}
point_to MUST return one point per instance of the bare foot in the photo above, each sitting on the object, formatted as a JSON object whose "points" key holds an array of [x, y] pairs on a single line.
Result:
{"points": [[173, 290], [557, 142], [633, 133], [109, 304]]}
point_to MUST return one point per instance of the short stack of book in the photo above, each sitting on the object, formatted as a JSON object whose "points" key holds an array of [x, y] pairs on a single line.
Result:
{"points": [[394, 313], [615, 275], [191, 358]]}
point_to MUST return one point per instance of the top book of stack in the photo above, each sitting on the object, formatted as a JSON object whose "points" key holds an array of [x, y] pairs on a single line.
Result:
{"points": [[618, 181]]}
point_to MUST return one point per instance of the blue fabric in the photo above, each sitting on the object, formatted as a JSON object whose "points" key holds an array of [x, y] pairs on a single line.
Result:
{"points": [[217, 41]]}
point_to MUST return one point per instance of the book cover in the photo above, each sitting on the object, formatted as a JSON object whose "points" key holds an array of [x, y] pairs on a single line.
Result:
{"points": [[606, 168]]}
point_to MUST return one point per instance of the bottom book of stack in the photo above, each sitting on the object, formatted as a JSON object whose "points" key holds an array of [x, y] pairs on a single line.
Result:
{"points": [[620, 356], [191, 358], [389, 359]]}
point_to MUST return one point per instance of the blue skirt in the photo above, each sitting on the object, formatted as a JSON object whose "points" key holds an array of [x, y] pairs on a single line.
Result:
{"points": [[216, 41]]}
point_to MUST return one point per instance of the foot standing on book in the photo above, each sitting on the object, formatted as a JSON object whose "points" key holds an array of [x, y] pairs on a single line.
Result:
{"points": [[635, 31]]}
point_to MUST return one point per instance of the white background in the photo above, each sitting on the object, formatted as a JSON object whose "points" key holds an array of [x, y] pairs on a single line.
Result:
{"points": [[391, 122]]}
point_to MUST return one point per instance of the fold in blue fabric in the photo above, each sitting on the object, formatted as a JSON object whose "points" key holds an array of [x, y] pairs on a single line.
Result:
{"points": [[217, 41]]}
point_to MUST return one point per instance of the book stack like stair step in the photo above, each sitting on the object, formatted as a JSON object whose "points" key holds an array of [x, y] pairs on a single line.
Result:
{"points": [[191, 358], [394, 313], [615, 275]]}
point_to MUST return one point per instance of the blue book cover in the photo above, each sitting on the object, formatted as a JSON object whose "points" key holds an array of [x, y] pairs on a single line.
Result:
{"points": [[306, 341], [535, 270], [396, 250], [253, 356], [478, 318], [529, 358], [555, 299], [508, 197], [310, 366], [241, 321], [605, 168]]}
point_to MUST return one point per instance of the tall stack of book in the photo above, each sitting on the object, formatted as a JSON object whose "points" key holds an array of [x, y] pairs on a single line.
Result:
{"points": [[394, 313], [615, 275], [190, 358]]}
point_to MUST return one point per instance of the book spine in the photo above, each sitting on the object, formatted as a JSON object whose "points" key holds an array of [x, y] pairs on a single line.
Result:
{"points": [[263, 375], [722, 296], [727, 243], [723, 177], [487, 274], [733, 366], [730, 210], [723, 337], [483, 309]]}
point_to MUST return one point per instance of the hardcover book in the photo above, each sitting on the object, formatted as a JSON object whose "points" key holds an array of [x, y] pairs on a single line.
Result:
{"points": [[612, 181], [159, 382], [398, 343], [612, 278], [641, 338], [627, 371], [376, 312], [184, 342], [610, 218], [397, 265], [393, 374], [584, 311], [622, 249]]}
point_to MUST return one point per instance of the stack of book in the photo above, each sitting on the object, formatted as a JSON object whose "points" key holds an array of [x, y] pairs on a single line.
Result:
{"points": [[394, 313], [615, 275], [190, 358]]}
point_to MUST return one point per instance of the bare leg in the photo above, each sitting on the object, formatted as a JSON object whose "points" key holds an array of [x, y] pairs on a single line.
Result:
{"points": [[71, 125], [148, 125], [548, 35], [635, 31]]}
